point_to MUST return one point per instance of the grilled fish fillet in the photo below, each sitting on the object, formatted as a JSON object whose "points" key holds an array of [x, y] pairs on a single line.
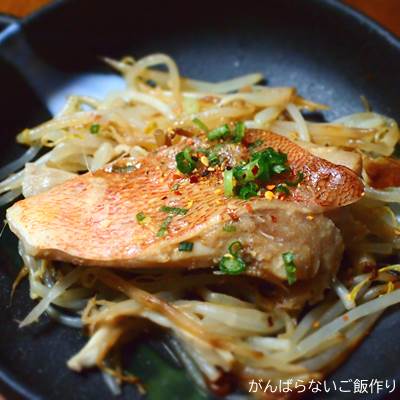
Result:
{"points": [[91, 219]]}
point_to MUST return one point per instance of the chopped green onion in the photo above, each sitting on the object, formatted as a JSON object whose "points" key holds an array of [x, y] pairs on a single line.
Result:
{"points": [[187, 154], [171, 211], [185, 162], [232, 265], [239, 132], [185, 246], [219, 132], [250, 189], [282, 188], [164, 226], [202, 150], [174, 210], [263, 165], [290, 267], [213, 158], [212, 155], [229, 228], [246, 173], [140, 217], [228, 182], [235, 247], [218, 146], [278, 169], [95, 128], [270, 161], [200, 124]]}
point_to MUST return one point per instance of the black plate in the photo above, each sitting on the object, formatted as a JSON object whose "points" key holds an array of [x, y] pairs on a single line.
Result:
{"points": [[330, 52]]}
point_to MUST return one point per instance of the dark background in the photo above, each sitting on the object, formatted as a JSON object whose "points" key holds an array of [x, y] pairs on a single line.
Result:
{"points": [[386, 11]]}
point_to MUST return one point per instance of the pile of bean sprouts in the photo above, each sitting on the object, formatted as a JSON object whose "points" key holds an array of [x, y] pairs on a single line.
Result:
{"points": [[214, 324]]}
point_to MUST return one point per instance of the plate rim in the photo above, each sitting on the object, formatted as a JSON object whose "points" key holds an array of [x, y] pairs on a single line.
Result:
{"points": [[12, 386]]}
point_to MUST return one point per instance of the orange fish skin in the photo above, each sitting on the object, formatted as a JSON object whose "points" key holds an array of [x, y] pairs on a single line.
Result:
{"points": [[325, 185], [91, 219]]}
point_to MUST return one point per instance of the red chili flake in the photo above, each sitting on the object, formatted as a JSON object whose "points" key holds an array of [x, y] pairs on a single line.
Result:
{"points": [[232, 215], [249, 208], [270, 321], [274, 219], [193, 179], [255, 170], [345, 317], [245, 141], [178, 193]]}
